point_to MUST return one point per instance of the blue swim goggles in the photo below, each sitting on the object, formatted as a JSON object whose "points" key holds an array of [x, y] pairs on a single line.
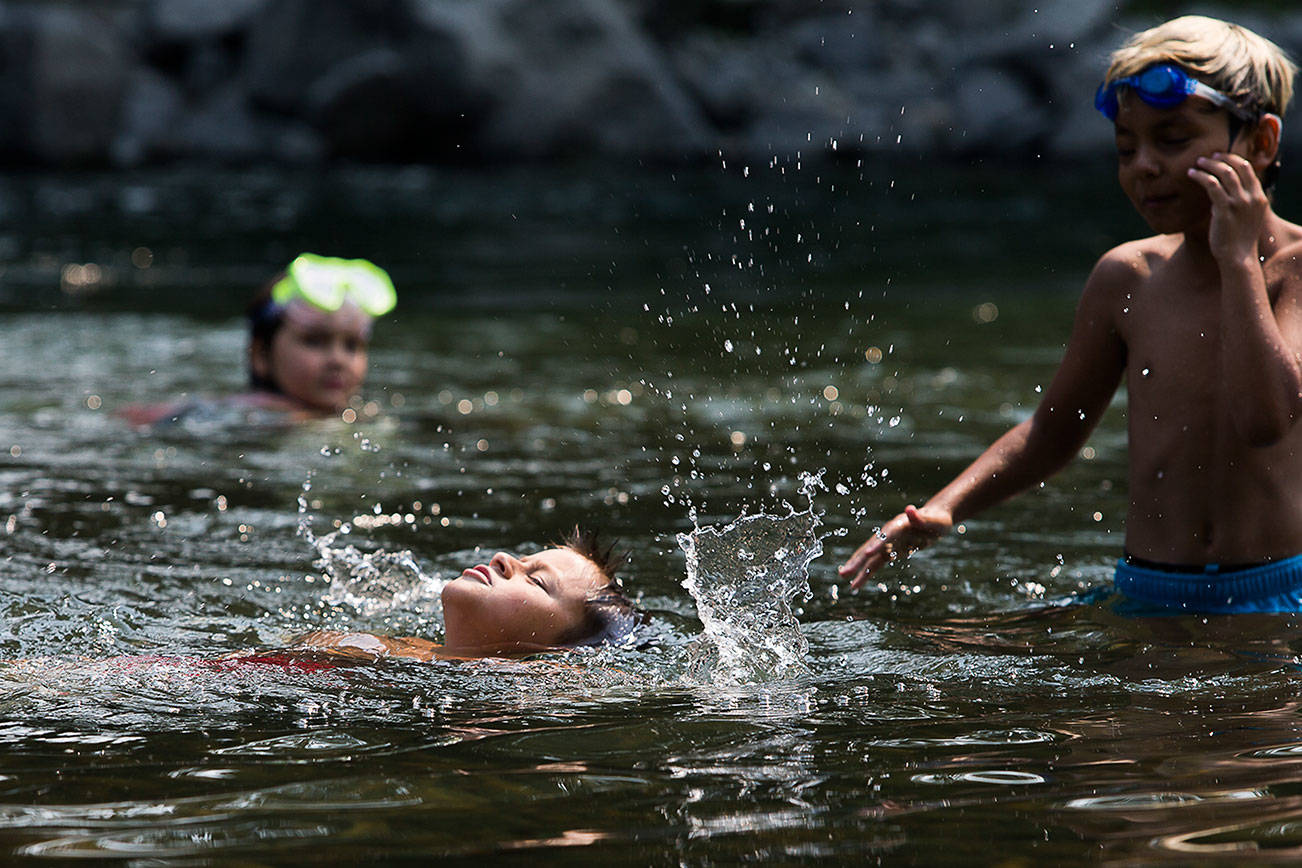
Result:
{"points": [[1165, 86]]}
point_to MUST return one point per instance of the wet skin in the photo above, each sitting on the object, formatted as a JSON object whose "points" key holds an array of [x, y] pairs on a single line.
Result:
{"points": [[317, 358], [515, 604]]}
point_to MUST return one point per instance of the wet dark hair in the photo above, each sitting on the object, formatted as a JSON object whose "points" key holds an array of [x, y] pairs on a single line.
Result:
{"points": [[265, 319], [608, 615]]}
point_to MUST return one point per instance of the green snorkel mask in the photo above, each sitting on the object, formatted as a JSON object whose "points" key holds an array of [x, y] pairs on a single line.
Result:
{"points": [[326, 282]]}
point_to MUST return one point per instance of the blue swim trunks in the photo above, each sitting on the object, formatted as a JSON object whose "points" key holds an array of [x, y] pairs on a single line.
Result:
{"points": [[1275, 586]]}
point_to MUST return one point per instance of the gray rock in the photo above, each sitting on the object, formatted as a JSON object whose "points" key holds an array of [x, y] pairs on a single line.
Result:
{"points": [[197, 20], [66, 70], [435, 80], [575, 76], [221, 128], [994, 109], [398, 105], [294, 43], [151, 108], [722, 77]]}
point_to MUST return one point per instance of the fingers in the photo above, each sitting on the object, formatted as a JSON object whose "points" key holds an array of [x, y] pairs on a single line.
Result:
{"points": [[880, 549], [871, 564], [915, 518], [1229, 174], [1216, 178], [855, 564], [901, 536], [858, 581]]}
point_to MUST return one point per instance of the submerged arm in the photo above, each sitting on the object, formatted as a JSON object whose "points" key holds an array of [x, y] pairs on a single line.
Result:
{"points": [[368, 646]]}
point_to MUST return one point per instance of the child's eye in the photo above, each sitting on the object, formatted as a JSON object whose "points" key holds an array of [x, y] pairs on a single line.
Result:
{"points": [[316, 339]]}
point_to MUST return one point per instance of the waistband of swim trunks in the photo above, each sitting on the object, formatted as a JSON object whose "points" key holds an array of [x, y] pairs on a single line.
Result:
{"points": [[1199, 569], [1215, 588]]}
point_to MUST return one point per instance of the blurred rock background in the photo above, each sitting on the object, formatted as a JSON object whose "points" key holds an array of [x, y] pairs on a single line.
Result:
{"points": [[124, 83]]}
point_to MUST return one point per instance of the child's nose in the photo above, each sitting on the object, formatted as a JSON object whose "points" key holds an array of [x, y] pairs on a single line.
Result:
{"points": [[339, 352], [504, 564], [1147, 160]]}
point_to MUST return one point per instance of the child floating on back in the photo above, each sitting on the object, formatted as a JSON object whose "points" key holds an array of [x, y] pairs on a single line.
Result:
{"points": [[309, 335], [561, 597], [1203, 320]]}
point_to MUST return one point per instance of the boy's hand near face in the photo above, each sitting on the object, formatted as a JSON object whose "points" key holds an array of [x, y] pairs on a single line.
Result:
{"points": [[905, 534], [1239, 206]]}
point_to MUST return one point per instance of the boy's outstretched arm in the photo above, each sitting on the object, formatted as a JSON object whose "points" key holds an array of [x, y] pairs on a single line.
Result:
{"points": [[1035, 449]]}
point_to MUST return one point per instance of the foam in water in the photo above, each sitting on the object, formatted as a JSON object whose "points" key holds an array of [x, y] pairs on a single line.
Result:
{"points": [[744, 578], [368, 582]]}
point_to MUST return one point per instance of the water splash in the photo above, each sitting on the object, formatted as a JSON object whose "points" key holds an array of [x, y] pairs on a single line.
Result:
{"points": [[368, 582], [744, 578], [375, 582]]}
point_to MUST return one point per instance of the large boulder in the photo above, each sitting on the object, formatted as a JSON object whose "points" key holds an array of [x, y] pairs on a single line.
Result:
{"points": [[375, 80], [576, 76], [188, 21], [63, 71]]}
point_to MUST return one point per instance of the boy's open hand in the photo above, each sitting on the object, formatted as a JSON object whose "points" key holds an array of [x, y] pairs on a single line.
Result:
{"points": [[1239, 205], [909, 531]]}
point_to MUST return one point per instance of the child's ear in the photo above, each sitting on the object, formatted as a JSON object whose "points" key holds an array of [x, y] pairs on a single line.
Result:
{"points": [[1263, 143]]}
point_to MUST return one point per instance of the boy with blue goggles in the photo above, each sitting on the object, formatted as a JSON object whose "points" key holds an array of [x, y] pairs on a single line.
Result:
{"points": [[1202, 320]]}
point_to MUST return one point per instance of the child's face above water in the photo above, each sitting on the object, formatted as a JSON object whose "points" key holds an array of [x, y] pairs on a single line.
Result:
{"points": [[317, 358], [513, 605], [1155, 150]]}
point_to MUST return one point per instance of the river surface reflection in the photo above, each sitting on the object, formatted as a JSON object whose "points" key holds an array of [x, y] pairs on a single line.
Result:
{"points": [[558, 357]]}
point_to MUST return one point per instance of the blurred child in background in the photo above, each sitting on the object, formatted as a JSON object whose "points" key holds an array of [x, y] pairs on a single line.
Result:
{"points": [[309, 337]]}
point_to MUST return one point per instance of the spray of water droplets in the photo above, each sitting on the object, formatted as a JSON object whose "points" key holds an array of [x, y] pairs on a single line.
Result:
{"points": [[368, 582], [745, 578]]}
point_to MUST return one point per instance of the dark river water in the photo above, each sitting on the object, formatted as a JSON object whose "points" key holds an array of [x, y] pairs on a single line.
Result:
{"points": [[647, 352]]}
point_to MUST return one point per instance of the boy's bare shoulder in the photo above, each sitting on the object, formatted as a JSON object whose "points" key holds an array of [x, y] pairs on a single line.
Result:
{"points": [[1138, 258], [1130, 264], [1289, 254]]}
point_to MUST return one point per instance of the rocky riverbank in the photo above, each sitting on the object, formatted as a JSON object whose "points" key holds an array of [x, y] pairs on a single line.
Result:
{"points": [[135, 82]]}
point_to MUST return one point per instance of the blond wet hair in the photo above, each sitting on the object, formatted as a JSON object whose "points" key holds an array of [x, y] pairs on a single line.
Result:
{"points": [[1253, 71]]}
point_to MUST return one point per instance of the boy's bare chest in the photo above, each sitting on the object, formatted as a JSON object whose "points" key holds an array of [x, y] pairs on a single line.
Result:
{"points": [[1172, 331]]}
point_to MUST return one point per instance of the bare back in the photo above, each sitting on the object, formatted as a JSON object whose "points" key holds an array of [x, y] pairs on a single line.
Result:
{"points": [[1200, 492]]}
